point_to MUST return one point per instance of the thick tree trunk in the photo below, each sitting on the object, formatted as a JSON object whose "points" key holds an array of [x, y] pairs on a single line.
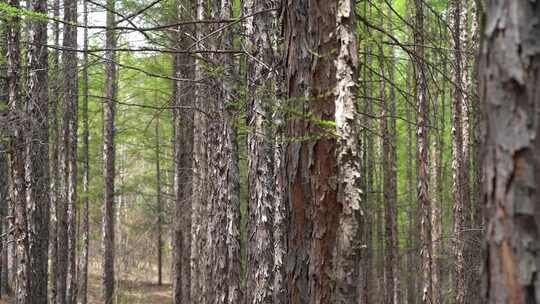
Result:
{"points": [[424, 204], [37, 162], [510, 76], [310, 165], [262, 183], [109, 110], [350, 196]]}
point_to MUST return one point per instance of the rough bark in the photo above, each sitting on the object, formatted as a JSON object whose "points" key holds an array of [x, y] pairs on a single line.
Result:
{"points": [[37, 160], [183, 120], [457, 155], [262, 182], [422, 155], [310, 181], [349, 176], [70, 99], [55, 95], [200, 172], [510, 78], [109, 110]]}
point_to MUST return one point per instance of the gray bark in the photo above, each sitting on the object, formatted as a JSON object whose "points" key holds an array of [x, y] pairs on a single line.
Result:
{"points": [[510, 66], [350, 196], [261, 153], [37, 162]]}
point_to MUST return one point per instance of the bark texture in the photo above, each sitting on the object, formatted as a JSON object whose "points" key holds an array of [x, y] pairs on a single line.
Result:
{"points": [[510, 78], [109, 110], [422, 193], [311, 177], [37, 162], [183, 120], [85, 228], [261, 156], [349, 176]]}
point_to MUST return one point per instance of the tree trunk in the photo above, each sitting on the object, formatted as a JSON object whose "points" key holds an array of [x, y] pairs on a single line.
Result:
{"points": [[109, 109], [262, 183], [198, 231], [55, 96], [159, 207], [310, 183], [85, 229], [457, 154], [510, 67], [37, 162], [183, 120], [70, 96], [422, 155], [348, 151]]}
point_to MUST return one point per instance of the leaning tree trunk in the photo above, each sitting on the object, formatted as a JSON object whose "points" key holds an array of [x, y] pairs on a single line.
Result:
{"points": [[109, 110], [510, 77], [422, 155], [310, 151], [348, 152], [37, 160]]}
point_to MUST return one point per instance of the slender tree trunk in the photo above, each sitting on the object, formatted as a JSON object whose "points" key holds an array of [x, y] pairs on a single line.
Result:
{"points": [[159, 207], [350, 196], [85, 229], [37, 160], [55, 95], [457, 154], [17, 159], [4, 175], [108, 277], [422, 155], [262, 182], [69, 60], [510, 77], [183, 120]]}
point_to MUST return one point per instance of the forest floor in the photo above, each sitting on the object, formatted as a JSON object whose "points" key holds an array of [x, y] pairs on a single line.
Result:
{"points": [[131, 292]]}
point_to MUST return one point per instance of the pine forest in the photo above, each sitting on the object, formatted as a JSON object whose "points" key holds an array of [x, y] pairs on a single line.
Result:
{"points": [[269, 151]]}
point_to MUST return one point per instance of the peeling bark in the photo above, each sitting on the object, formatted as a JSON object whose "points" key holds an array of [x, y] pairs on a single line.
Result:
{"points": [[510, 78]]}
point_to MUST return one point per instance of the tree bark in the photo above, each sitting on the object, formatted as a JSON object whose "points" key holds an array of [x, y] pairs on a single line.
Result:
{"points": [[55, 96], [37, 162], [349, 175], [70, 96], [457, 156], [424, 204], [310, 182], [109, 110], [261, 156], [159, 207], [183, 120], [85, 229], [510, 77]]}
